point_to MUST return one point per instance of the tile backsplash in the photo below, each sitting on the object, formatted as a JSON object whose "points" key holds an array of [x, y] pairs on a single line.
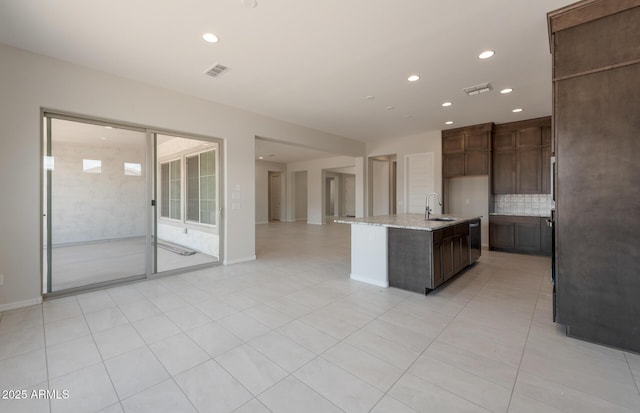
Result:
{"points": [[535, 204]]}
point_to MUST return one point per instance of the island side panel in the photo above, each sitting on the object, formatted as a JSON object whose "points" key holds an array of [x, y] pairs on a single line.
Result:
{"points": [[410, 259], [369, 254]]}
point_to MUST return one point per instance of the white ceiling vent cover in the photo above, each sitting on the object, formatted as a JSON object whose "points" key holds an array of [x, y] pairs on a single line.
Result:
{"points": [[216, 70], [478, 89]]}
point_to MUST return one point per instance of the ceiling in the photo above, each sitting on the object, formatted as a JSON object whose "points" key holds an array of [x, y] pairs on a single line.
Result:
{"points": [[312, 63]]}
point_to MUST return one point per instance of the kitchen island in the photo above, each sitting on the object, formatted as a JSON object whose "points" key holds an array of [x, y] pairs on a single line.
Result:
{"points": [[409, 252]]}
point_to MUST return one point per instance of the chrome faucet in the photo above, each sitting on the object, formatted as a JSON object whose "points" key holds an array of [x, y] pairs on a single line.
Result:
{"points": [[427, 210]]}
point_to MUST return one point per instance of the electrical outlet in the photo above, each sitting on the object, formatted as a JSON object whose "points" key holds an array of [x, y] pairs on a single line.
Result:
{"points": [[1, 279]]}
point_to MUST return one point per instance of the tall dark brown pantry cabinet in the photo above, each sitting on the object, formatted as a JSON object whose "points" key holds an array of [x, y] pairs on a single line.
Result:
{"points": [[596, 120]]}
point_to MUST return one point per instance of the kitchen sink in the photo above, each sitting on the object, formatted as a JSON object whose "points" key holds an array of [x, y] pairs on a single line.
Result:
{"points": [[442, 219]]}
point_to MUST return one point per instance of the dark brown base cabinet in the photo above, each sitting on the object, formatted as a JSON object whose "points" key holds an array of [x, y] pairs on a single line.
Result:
{"points": [[422, 260], [521, 234]]}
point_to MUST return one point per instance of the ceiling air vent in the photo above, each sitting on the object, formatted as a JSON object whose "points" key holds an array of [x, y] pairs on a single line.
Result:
{"points": [[216, 70], [478, 89]]}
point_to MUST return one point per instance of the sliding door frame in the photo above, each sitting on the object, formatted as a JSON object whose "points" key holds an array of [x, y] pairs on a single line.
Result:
{"points": [[151, 217]]}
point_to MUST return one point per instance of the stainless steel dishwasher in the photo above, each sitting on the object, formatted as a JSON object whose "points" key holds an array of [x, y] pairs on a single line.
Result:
{"points": [[475, 241]]}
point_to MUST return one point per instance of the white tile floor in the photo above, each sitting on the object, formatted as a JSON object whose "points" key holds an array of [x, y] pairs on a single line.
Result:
{"points": [[291, 333], [79, 265]]}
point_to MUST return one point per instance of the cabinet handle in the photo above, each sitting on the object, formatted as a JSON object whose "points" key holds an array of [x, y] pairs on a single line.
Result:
{"points": [[474, 225]]}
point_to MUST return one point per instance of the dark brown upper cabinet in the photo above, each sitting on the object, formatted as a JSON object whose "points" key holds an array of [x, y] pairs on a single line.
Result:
{"points": [[521, 156], [596, 96], [466, 151]]}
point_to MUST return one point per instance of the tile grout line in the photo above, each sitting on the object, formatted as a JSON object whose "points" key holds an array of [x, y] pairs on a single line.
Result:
{"points": [[316, 356], [46, 353], [99, 353], [172, 378], [633, 377], [406, 371], [526, 341]]}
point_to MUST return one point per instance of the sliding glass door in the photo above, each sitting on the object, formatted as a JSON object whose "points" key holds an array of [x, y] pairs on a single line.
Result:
{"points": [[188, 194], [97, 203], [124, 203]]}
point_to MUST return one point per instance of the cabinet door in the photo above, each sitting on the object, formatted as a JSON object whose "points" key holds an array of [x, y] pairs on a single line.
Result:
{"points": [[527, 236], [545, 236], [528, 170], [453, 165], [448, 269], [453, 144], [457, 254], [464, 251], [501, 235], [437, 264], [504, 141], [477, 141], [476, 163], [504, 176], [529, 137]]}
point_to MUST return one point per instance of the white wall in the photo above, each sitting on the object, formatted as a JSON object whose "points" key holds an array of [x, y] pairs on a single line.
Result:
{"points": [[108, 205], [30, 82], [315, 193], [262, 188], [300, 195], [348, 207], [469, 196], [380, 176], [420, 143]]}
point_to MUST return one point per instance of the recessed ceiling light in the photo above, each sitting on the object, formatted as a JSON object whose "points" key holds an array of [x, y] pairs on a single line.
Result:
{"points": [[517, 110], [505, 91], [103, 138], [447, 104], [486, 54], [260, 157], [406, 116], [413, 78], [370, 97], [108, 127], [390, 108], [250, 4], [211, 38], [449, 122]]}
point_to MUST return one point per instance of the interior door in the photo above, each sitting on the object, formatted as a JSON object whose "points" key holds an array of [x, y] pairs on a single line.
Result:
{"points": [[274, 196]]}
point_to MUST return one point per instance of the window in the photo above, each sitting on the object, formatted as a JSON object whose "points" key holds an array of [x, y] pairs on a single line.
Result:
{"points": [[92, 166], [200, 188], [132, 169], [170, 186]]}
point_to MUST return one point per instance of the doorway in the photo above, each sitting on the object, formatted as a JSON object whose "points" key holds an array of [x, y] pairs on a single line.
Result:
{"points": [[275, 194], [330, 197], [108, 191], [382, 186]]}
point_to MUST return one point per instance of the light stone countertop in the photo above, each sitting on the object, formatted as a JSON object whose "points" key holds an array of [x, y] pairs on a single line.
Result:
{"points": [[521, 214], [408, 221]]}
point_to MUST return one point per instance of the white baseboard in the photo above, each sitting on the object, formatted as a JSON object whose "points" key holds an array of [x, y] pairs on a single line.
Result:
{"points": [[368, 280], [262, 222], [239, 260], [20, 304]]}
